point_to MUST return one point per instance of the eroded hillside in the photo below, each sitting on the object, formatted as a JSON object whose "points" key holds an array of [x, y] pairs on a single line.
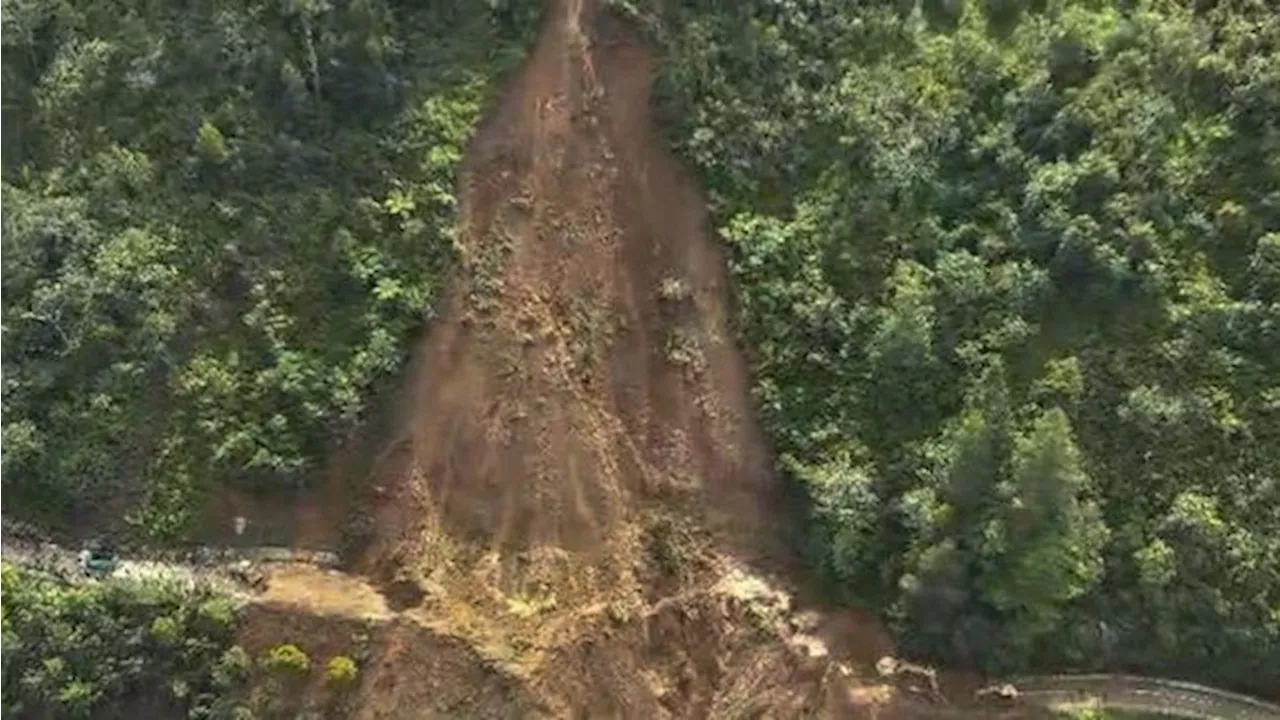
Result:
{"points": [[576, 500], [577, 425]]}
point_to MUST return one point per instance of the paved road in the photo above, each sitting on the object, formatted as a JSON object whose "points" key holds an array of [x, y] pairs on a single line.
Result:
{"points": [[1142, 694], [216, 566]]}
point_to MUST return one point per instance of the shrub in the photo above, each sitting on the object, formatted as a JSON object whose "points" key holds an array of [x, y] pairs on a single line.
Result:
{"points": [[232, 667], [341, 671], [287, 659], [166, 631], [218, 612]]}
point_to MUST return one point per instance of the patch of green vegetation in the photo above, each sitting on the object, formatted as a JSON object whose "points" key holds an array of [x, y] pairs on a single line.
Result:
{"points": [[287, 660], [105, 649], [486, 269], [528, 605], [684, 348], [590, 332], [222, 226], [341, 672], [1009, 274]]}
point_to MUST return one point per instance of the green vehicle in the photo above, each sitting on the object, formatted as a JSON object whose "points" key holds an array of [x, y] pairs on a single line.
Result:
{"points": [[99, 559]]}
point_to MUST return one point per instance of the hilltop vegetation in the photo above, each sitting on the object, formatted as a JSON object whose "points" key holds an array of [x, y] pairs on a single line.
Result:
{"points": [[1010, 272], [223, 223]]}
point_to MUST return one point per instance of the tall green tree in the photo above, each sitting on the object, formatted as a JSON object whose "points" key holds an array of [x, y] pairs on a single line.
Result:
{"points": [[1050, 535]]}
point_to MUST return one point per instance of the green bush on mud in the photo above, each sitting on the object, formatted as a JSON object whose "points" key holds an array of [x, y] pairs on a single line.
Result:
{"points": [[287, 659], [340, 671]]}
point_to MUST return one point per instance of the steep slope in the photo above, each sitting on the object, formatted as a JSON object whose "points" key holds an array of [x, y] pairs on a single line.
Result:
{"points": [[580, 409]]}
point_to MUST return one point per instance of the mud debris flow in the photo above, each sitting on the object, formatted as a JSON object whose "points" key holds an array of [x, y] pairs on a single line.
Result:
{"points": [[575, 507], [585, 367]]}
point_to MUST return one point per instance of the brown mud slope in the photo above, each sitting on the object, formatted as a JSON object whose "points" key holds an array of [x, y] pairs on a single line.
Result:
{"points": [[576, 498], [581, 409]]}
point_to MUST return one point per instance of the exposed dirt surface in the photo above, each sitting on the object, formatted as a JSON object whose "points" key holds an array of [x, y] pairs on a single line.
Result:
{"points": [[577, 426], [585, 373], [738, 648], [324, 592]]}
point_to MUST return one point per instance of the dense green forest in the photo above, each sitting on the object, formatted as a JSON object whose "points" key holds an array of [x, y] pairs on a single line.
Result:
{"points": [[1010, 272], [95, 650], [222, 224]]}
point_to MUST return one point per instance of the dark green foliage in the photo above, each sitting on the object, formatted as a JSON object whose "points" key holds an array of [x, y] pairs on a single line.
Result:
{"points": [[222, 224], [106, 650], [1008, 270]]}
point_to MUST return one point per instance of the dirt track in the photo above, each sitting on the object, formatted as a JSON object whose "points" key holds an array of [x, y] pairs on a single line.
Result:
{"points": [[25, 546]]}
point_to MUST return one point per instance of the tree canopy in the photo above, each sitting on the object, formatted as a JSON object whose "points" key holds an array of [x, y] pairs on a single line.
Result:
{"points": [[104, 650], [1008, 271], [222, 224]]}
